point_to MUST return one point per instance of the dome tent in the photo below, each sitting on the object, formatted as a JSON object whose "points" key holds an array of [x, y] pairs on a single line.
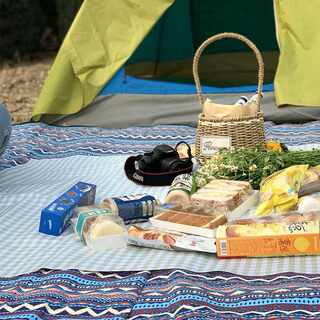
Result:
{"points": [[133, 58]]}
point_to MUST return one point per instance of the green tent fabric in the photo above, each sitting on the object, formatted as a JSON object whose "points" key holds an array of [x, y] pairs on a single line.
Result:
{"points": [[297, 77], [107, 34], [226, 63], [101, 39], [156, 39]]}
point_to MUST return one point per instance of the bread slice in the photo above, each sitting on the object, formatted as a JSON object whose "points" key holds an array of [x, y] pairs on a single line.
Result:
{"points": [[222, 195], [230, 185], [222, 202]]}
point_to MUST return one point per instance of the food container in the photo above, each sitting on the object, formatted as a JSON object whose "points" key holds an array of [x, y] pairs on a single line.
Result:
{"points": [[284, 235], [132, 208], [99, 228], [55, 218], [189, 220]]}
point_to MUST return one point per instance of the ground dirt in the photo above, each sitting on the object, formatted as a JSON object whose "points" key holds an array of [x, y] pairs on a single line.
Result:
{"points": [[21, 81]]}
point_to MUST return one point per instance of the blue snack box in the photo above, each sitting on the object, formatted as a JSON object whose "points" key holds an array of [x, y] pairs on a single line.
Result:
{"points": [[55, 218]]}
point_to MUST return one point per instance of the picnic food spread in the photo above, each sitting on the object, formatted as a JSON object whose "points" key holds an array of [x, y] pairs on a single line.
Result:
{"points": [[238, 202], [223, 216], [213, 209]]}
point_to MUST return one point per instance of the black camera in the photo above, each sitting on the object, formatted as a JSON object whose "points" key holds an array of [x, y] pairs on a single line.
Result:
{"points": [[164, 158]]}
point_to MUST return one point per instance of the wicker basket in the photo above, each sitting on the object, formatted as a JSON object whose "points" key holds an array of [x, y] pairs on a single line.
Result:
{"points": [[244, 132]]}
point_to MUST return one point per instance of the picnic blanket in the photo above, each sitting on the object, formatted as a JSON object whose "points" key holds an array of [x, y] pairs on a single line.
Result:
{"points": [[171, 294], [26, 189], [40, 141], [166, 294]]}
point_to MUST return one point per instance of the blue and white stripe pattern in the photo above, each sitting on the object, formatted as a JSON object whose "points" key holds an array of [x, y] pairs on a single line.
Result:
{"points": [[164, 294], [40, 141]]}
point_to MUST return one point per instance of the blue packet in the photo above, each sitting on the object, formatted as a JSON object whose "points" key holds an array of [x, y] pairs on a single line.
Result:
{"points": [[55, 218]]}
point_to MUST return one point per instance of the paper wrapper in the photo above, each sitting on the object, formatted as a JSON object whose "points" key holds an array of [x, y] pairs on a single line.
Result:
{"points": [[215, 111], [158, 239]]}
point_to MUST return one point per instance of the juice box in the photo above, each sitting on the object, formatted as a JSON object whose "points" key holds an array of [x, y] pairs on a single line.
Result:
{"points": [[56, 216]]}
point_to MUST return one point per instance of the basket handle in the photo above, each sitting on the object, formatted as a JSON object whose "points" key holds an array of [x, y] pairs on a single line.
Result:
{"points": [[230, 35]]}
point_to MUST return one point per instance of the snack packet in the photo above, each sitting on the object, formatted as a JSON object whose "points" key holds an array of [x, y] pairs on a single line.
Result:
{"points": [[293, 233], [279, 192], [55, 218], [155, 238]]}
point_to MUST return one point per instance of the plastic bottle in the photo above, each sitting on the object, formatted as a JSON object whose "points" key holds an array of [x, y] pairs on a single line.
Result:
{"points": [[132, 208], [242, 101], [180, 190], [254, 98]]}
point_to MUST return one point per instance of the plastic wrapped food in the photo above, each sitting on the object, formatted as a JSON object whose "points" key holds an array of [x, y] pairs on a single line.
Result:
{"points": [[180, 190], [289, 234], [158, 239], [189, 220], [99, 228], [222, 195], [308, 204], [311, 183], [279, 192], [311, 175]]}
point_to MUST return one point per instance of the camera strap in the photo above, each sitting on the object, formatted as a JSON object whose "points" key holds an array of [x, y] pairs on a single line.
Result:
{"points": [[152, 178]]}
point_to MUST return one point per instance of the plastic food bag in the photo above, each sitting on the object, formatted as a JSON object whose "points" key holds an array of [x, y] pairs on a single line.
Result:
{"points": [[309, 203], [279, 192], [151, 237]]}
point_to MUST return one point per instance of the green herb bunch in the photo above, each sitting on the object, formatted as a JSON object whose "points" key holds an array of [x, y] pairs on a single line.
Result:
{"points": [[251, 165]]}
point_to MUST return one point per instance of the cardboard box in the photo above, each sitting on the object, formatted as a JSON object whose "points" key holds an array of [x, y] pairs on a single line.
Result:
{"points": [[287, 235], [189, 223], [56, 216]]}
